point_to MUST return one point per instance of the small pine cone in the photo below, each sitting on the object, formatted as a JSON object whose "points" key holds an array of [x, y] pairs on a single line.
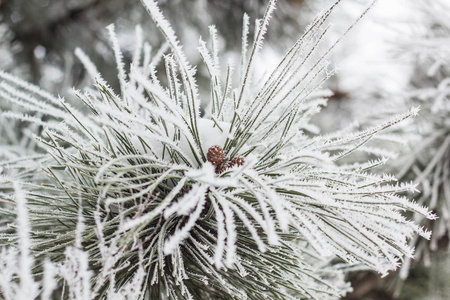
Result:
{"points": [[237, 161], [215, 155], [224, 164]]}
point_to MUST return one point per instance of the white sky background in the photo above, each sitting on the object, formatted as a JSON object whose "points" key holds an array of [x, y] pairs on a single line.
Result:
{"points": [[369, 57], [371, 68], [369, 48]]}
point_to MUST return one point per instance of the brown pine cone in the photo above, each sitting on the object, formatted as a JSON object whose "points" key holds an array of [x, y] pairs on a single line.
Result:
{"points": [[215, 155], [237, 161], [224, 164]]}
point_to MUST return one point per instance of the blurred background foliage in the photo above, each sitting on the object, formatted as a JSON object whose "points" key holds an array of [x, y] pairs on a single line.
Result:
{"points": [[397, 58]]}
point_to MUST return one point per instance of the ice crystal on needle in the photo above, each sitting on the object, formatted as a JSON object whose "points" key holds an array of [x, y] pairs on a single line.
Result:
{"points": [[135, 171]]}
